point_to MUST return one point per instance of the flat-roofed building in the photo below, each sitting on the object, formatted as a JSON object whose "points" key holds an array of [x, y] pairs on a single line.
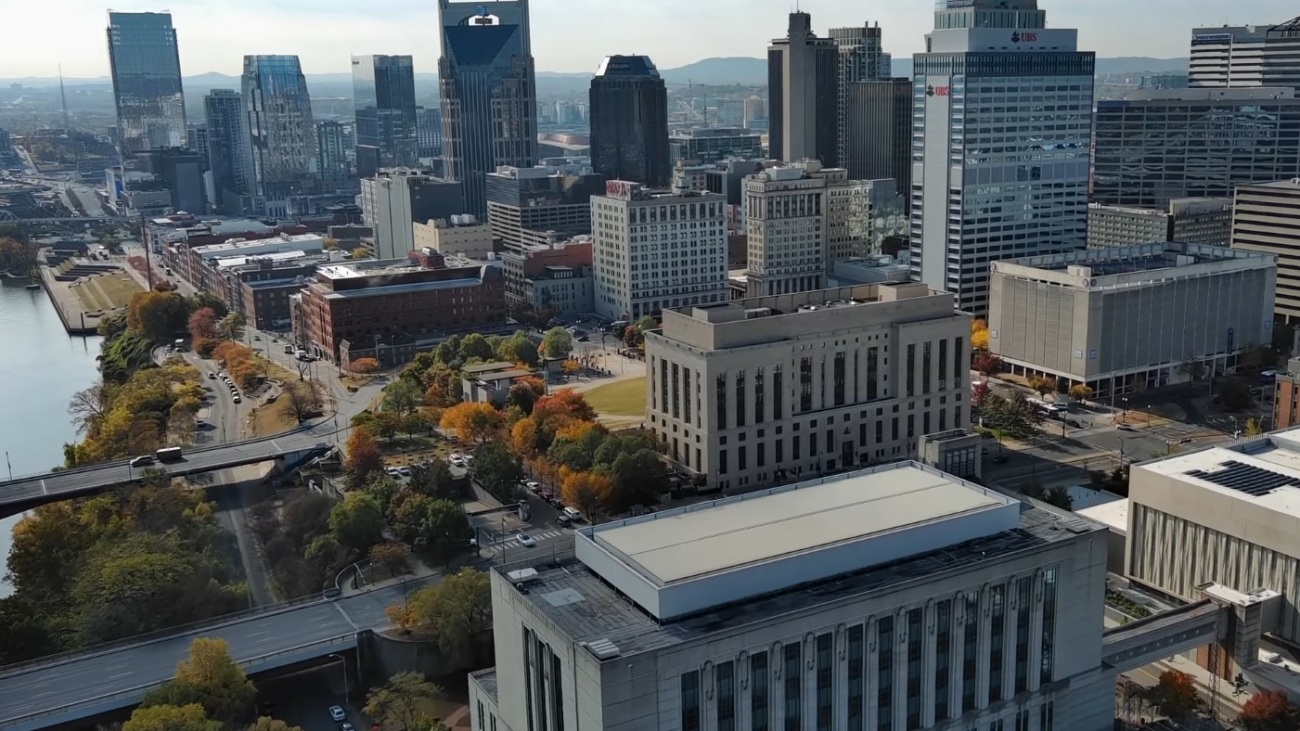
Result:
{"points": [[895, 597], [1186, 220], [1266, 219], [1120, 318], [528, 205], [463, 234], [755, 392], [714, 144], [529, 270]]}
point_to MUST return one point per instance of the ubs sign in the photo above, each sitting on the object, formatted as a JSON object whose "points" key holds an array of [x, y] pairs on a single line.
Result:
{"points": [[937, 90], [1017, 37]]}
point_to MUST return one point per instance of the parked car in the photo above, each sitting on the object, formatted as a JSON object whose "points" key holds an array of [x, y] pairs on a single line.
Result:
{"points": [[533, 486], [391, 471], [526, 540], [338, 714], [212, 375], [563, 521], [404, 471]]}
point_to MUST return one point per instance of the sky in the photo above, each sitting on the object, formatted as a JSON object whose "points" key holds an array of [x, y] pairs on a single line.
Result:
{"points": [[568, 35]]}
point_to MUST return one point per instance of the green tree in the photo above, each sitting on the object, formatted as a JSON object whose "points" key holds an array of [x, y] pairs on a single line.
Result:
{"points": [[557, 343], [383, 489], [24, 630], [518, 348], [266, 723], [210, 679], [443, 530], [170, 718], [358, 522], [639, 478], [448, 351], [396, 705], [386, 424], [476, 346], [497, 469], [433, 479], [200, 300], [456, 611], [402, 396], [231, 327]]}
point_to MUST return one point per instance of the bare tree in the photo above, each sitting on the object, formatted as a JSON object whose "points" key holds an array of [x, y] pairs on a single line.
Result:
{"points": [[302, 400], [90, 405]]}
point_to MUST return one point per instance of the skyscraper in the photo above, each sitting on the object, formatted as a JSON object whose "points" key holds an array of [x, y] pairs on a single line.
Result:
{"points": [[331, 156], [383, 92], [629, 121], [489, 92], [280, 137], [428, 130], [223, 110], [802, 95], [1246, 55], [861, 58], [146, 81], [1002, 130], [878, 124]]}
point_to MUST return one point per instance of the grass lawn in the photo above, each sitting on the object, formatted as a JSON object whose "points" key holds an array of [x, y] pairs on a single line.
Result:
{"points": [[624, 398], [89, 301], [118, 288]]}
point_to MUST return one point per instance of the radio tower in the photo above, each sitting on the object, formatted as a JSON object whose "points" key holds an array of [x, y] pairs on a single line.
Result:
{"points": [[64, 98]]}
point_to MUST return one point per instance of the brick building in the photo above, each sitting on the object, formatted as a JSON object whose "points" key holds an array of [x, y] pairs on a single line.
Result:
{"points": [[389, 309], [533, 273]]}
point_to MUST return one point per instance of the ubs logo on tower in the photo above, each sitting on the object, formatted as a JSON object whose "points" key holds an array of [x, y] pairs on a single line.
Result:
{"points": [[1017, 36]]}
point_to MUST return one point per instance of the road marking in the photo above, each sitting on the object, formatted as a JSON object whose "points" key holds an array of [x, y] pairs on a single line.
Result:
{"points": [[44, 490], [346, 617], [121, 675]]}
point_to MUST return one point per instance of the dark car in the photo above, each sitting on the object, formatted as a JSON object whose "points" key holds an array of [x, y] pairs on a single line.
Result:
{"points": [[563, 521]]}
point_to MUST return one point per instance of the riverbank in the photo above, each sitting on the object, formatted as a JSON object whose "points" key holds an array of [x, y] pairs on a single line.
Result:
{"points": [[85, 292]]}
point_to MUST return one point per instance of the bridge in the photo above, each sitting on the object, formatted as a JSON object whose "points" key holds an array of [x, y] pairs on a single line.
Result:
{"points": [[68, 219], [25, 493]]}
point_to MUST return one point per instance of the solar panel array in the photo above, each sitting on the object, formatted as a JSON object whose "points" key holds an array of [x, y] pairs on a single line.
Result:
{"points": [[1252, 480]]}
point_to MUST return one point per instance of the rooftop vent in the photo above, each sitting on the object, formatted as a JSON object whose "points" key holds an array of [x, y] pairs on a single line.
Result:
{"points": [[519, 576], [604, 649]]}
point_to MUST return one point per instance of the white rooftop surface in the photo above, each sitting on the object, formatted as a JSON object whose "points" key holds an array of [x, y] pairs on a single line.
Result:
{"points": [[1113, 515], [691, 558], [1276, 457]]}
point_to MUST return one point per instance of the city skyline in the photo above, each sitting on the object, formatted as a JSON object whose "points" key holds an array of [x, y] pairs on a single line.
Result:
{"points": [[333, 31]]}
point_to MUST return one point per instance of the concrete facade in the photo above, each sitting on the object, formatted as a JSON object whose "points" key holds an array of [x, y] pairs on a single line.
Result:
{"points": [[1186, 220], [786, 225], [1110, 317], [463, 235], [394, 200], [759, 391], [1266, 219]]}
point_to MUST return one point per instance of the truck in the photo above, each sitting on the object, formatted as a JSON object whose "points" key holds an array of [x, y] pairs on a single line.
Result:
{"points": [[168, 454]]}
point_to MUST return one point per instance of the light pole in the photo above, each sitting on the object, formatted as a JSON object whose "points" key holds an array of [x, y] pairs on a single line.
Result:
{"points": [[343, 660], [1235, 431]]}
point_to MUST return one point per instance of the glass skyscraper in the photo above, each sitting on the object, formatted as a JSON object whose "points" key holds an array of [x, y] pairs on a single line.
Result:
{"points": [[1002, 127], [629, 121], [146, 81], [280, 137], [383, 91], [223, 110], [489, 93]]}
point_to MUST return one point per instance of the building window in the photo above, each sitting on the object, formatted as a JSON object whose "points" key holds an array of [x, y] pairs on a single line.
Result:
{"points": [[726, 682], [742, 463], [1049, 626], [777, 396], [741, 399], [686, 394], [720, 390], [722, 461], [1023, 610], [825, 684], [970, 644], [942, 657], [915, 645], [793, 678], [676, 392], [758, 395], [873, 374], [911, 426], [943, 364], [911, 369], [557, 692], [957, 365], [885, 673], [805, 384], [839, 375], [762, 454], [1045, 717], [758, 694], [691, 701], [663, 385], [794, 447], [528, 671], [996, 633], [856, 678], [893, 428], [780, 452], [925, 367]]}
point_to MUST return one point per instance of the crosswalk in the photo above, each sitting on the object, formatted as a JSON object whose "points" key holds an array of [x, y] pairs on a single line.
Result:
{"points": [[539, 536]]}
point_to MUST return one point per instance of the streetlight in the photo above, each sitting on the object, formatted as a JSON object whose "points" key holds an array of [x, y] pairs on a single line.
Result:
{"points": [[343, 660], [1235, 432]]}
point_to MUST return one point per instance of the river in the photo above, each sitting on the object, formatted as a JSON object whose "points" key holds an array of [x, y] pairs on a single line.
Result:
{"points": [[41, 366]]}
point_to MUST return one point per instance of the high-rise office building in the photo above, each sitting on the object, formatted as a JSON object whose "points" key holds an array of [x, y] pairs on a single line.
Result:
{"points": [[755, 113], [223, 109], [786, 226], [489, 92], [653, 250], [1185, 220], [428, 131], [196, 139], [1266, 218], [629, 121], [802, 95], [879, 132], [331, 165], [543, 204], [393, 200], [279, 133], [181, 171], [714, 144], [147, 91], [1000, 177], [383, 93], [1246, 55], [1196, 143], [860, 59]]}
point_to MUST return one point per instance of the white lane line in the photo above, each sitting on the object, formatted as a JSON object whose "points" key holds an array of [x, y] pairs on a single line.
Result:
{"points": [[121, 675]]}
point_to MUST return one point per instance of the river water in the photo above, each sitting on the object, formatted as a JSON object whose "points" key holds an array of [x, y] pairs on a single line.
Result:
{"points": [[41, 366]]}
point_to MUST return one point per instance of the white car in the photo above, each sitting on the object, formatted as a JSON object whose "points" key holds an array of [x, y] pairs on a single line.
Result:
{"points": [[456, 457], [404, 471], [337, 713], [526, 540], [533, 485], [392, 471]]}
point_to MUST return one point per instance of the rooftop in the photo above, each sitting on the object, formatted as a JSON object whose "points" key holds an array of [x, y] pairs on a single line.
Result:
{"points": [[304, 241], [1264, 471], [1087, 264], [1291, 184]]}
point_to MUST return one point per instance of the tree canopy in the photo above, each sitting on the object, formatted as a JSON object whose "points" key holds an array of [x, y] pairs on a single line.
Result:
{"points": [[455, 611], [170, 718], [471, 421], [157, 316], [557, 343], [210, 679], [357, 522], [1269, 710], [397, 703]]}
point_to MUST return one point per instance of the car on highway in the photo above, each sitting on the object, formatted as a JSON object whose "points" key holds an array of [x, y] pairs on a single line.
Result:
{"points": [[142, 460], [212, 375], [526, 540], [338, 714], [237, 399]]}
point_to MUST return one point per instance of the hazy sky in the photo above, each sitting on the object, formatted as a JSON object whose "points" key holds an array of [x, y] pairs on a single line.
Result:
{"points": [[568, 35]]}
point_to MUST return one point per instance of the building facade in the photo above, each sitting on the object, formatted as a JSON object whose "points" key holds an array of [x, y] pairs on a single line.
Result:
{"points": [[279, 133], [803, 95], [489, 93], [383, 94], [463, 234], [1120, 319], [713, 144], [879, 132], [1186, 220], [181, 171], [861, 58], [786, 225], [988, 619], [395, 199], [428, 129], [629, 121], [331, 163], [754, 113], [542, 204], [525, 267], [767, 390], [972, 159], [146, 69], [1266, 219], [653, 250], [1246, 55], [1286, 395], [1196, 143], [224, 111]]}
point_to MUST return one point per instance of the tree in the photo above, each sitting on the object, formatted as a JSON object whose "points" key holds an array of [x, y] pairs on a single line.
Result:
{"points": [[518, 348], [386, 424], [456, 611], [157, 316], [203, 324], [571, 367], [979, 334], [472, 422], [987, 363], [1057, 496], [392, 556], [170, 718], [1080, 392], [523, 437], [639, 478], [448, 352], [210, 679], [1043, 384], [361, 252], [202, 300], [302, 400], [364, 365], [357, 522], [266, 723], [979, 395], [402, 396], [1175, 695], [89, 406], [565, 403], [522, 396], [443, 386], [476, 346], [16, 256], [433, 479], [443, 530], [396, 705], [231, 327], [1253, 429], [1234, 395], [586, 491], [364, 456], [497, 469], [1269, 710], [557, 343]]}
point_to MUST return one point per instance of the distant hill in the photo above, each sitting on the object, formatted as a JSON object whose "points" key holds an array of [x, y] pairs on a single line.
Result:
{"points": [[720, 72]]}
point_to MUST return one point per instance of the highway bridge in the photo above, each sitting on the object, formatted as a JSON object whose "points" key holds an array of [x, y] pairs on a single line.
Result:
{"points": [[25, 493]]}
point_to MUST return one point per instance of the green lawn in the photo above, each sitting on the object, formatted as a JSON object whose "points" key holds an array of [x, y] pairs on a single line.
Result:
{"points": [[625, 398], [118, 287]]}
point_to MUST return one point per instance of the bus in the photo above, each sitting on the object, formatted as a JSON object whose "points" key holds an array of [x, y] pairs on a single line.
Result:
{"points": [[1054, 407], [167, 454]]}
